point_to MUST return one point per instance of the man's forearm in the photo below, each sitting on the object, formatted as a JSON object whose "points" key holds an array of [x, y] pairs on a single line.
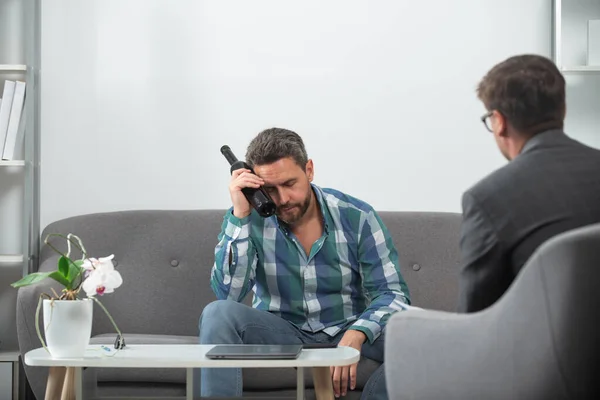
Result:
{"points": [[372, 321], [235, 260]]}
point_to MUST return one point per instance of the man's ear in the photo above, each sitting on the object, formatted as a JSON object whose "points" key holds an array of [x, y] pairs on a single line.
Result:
{"points": [[310, 170], [500, 124]]}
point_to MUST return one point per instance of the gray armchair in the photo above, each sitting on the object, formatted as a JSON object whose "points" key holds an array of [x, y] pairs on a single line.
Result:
{"points": [[541, 340]]}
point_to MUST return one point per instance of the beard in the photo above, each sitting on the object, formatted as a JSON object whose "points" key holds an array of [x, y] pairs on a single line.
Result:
{"points": [[290, 213]]}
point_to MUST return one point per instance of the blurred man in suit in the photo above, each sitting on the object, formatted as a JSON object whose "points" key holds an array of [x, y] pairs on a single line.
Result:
{"points": [[550, 185]]}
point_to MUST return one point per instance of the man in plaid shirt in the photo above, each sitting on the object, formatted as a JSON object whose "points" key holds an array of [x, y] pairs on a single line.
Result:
{"points": [[323, 269]]}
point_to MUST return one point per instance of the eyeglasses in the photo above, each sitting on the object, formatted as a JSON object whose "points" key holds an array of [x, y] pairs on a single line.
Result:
{"points": [[486, 120]]}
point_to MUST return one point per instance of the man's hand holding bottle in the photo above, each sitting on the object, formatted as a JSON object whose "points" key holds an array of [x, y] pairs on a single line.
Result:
{"points": [[240, 179]]}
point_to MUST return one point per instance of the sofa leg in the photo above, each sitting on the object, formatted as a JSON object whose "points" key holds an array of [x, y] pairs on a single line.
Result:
{"points": [[322, 383]]}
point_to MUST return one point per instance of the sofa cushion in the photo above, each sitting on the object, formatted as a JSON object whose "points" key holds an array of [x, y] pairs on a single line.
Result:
{"points": [[429, 254]]}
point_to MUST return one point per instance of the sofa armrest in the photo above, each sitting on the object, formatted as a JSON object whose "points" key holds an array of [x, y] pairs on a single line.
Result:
{"points": [[495, 354], [431, 355]]}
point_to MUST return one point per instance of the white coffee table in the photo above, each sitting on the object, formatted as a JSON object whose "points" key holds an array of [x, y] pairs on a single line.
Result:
{"points": [[190, 357]]}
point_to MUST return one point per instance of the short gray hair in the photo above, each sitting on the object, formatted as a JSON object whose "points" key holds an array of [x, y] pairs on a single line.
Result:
{"points": [[274, 144]]}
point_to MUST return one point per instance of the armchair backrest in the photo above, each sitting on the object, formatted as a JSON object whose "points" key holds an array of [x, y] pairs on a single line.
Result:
{"points": [[540, 340]]}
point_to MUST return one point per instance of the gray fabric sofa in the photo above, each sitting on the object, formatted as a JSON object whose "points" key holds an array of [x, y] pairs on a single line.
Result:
{"points": [[539, 341], [165, 259]]}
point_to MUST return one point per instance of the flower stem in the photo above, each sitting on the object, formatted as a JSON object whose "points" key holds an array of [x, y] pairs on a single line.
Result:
{"points": [[78, 244], [108, 315], [37, 322], [69, 241]]}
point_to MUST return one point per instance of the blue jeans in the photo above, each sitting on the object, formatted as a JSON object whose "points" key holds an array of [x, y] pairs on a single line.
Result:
{"points": [[229, 322]]}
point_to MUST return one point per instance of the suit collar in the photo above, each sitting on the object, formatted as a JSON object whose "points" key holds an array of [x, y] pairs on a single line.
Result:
{"points": [[548, 138]]}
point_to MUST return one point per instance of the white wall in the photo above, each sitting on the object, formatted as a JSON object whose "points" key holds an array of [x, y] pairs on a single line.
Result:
{"points": [[139, 95]]}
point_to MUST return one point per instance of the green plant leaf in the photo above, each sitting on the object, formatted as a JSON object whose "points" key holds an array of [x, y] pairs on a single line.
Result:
{"points": [[75, 270], [58, 277], [36, 277], [63, 266]]}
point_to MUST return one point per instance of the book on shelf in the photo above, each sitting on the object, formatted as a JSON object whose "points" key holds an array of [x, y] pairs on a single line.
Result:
{"points": [[5, 106], [16, 122]]}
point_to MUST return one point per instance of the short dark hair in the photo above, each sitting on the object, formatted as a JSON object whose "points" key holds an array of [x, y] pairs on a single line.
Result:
{"points": [[274, 144], [528, 90]]}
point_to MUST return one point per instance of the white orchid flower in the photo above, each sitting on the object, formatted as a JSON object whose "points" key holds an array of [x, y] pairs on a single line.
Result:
{"points": [[90, 264], [101, 276]]}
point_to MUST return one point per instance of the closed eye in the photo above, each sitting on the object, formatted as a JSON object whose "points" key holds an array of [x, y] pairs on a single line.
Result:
{"points": [[286, 184]]}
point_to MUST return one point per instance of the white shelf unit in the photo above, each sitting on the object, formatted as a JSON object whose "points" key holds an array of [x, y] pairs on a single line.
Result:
{"points": [[584, 69], [11, 258], [9, 356], [12, 357], [20, 55], [18, 260], [12, 163], [557, 44], [13, 67]]}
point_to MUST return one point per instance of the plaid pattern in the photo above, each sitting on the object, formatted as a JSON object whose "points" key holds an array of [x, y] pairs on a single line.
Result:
{"points": [[351, 279]]}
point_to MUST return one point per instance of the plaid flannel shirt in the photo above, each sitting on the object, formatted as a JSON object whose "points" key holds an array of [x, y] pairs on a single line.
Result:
{"points": [[350, 280]]}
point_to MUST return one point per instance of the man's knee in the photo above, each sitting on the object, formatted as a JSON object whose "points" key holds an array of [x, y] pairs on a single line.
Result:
{"points": [[222, 314], [222, 309]]}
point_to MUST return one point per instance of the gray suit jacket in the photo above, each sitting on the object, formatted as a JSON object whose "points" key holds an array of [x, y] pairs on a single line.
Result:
{"points": [[551, 187]]}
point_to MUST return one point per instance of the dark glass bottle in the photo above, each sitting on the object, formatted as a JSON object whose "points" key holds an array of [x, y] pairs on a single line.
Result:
{"points": [[257, 197]]}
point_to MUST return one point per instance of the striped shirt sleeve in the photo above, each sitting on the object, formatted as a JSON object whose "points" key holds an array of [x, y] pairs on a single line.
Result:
{"points": [[233, 272], [380, 272]]}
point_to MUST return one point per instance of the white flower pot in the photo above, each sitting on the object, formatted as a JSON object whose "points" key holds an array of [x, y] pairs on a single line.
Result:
{"points": [[68, 327]]}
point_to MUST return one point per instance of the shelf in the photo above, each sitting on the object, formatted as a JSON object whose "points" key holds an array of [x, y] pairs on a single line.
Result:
{"points": [[13, 67], [582, 69], [9, 356], [11, 258], [557, 43], [13, 163]]}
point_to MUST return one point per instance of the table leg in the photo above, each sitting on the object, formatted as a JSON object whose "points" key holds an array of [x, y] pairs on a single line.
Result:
{"points": [[189, 384], [300, 383], [68, 391], [55, 383], [322, 383], [78, 383]]}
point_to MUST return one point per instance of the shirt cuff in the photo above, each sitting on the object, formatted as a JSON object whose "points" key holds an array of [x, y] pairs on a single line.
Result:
{"points": [[369, 328], [237, 228]]}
